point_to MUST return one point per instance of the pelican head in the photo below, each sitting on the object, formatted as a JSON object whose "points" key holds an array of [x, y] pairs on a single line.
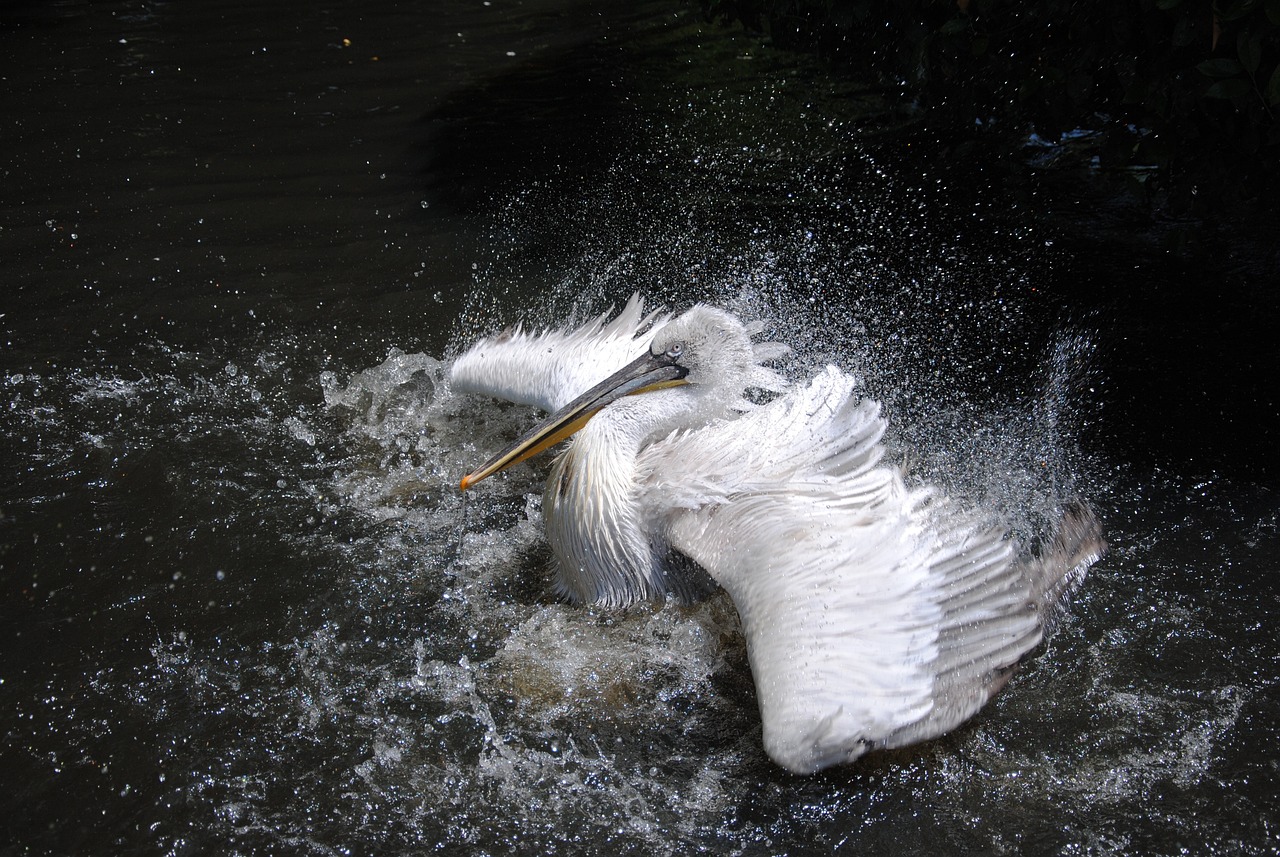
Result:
{"points": [[713, 348]]}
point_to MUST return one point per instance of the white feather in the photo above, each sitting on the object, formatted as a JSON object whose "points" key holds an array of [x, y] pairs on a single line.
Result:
{"points": [[547, 369], [875, 615]]}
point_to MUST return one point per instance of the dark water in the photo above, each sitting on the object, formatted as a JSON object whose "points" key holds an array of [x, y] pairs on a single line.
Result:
{"points": [[243, 610]]}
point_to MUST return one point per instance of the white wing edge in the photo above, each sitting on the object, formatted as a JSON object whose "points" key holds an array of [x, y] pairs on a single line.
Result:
{"points": [[875, 616], [548, 369]]}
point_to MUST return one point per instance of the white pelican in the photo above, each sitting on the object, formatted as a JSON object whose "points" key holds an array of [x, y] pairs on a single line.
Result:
{"points": [[875, 615]]}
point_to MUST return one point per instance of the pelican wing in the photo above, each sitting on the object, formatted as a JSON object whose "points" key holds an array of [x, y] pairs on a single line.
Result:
{"points": [[548, 369], [875, 616]]}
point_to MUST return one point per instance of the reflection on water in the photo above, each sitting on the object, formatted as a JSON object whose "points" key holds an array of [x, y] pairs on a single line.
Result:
{"points": [[247, 610]]}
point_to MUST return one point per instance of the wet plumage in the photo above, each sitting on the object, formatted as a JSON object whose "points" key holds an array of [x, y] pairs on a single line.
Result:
{"points": [[875, 615]]}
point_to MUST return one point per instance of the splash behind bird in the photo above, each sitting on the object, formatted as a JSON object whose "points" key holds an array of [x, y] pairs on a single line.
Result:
{"points": [[875, 615]]}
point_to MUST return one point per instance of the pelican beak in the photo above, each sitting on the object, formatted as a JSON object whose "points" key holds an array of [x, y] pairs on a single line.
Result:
{"points": [[644, 374]]}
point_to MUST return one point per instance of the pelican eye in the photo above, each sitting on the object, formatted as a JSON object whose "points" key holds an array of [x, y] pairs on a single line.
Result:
{"points": [[675, 350]]}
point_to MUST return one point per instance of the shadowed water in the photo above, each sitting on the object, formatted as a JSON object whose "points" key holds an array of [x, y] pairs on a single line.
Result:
{"points": [[245, 609]]}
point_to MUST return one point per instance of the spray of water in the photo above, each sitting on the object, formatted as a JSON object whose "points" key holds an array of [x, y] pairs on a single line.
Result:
{"points": [[336, 656]]}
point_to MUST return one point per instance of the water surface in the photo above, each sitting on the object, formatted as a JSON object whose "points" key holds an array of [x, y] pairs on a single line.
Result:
{"points": [[246, 611]]}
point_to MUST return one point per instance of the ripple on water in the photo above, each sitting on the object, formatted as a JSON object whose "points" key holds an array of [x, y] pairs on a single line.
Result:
{"points": [[341, 617]]}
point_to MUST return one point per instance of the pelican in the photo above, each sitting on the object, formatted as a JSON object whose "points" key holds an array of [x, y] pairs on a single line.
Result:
{"points": [[876, 615]]}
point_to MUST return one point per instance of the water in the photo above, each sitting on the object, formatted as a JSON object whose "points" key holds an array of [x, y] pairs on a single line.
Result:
{"points": [[246, 610]]}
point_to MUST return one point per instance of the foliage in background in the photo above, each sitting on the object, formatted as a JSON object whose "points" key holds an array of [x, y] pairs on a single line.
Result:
{"points": [[1176, 94]]}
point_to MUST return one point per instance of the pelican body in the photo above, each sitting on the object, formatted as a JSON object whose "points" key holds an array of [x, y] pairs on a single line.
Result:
{"points": [[875, 615]]}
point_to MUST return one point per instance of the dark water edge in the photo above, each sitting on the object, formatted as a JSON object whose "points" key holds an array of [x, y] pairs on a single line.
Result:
{"points": [[1189, 325], [237, 619], [1189, 350], [1181, 306], [1186, 328]]}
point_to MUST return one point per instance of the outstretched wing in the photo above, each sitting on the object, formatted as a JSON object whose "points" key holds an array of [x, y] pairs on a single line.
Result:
{"points": [[875, 616], [548, 369]]}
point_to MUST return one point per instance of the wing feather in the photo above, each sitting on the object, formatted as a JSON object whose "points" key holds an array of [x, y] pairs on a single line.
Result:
{"points": [[548, 369], [875, 615]]}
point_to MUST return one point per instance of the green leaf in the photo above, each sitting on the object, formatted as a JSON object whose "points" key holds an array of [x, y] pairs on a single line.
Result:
{"points": [[1238, 9], [1235, 87], [1273, 88], [1249, 49], [1225, 67], [1185, 31]]}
